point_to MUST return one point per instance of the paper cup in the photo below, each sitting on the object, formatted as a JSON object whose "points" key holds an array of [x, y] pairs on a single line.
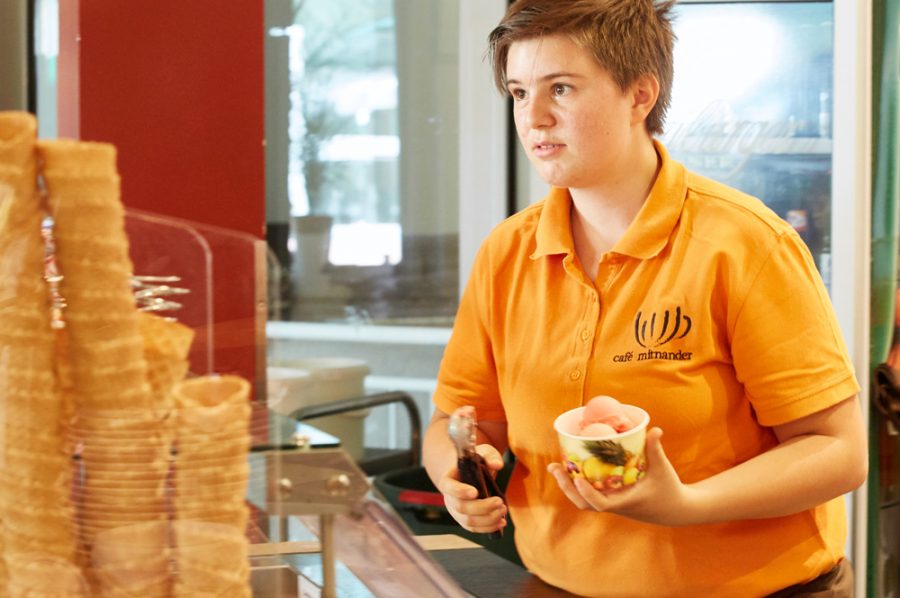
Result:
{"points": [[607, 462]]}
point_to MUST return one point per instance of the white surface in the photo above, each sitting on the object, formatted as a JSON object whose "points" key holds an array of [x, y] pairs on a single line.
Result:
{"points": [[305, 382], [367, 333], [482, 133], [851, 217]]}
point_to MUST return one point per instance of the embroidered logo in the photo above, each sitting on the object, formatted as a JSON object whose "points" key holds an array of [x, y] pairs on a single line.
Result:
{"points": [[655, 332], [658, 329]]}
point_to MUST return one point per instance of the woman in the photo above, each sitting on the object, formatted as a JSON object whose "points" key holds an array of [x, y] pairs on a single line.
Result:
{"points": [[756, 393]]}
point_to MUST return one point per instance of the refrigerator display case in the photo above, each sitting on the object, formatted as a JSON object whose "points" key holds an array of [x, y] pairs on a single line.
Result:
{"points": [[752, 106], [773, 98]]}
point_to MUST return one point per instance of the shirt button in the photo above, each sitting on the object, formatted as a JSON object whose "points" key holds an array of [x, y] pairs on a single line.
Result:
{"points": [[585, 334], [575, 374]]}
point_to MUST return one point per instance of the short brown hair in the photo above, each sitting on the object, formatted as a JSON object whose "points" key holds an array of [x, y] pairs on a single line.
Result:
{"points": [[629, 38]]}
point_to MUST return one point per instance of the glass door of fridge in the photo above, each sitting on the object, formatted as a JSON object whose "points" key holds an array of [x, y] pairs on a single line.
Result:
{"points": [[752, 106], [774, 98]]}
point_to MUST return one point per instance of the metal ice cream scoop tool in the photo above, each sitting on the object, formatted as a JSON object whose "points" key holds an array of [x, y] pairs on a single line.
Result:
{"points": [[473, 469]]}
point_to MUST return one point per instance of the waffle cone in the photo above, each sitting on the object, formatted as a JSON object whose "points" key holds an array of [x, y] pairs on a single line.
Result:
{"points": [[163, 374], [214, 465], [140, 579], [233, 592], [152, 471], [132, 544], [222, 422], [39, 529], [219, 455], [192, 484], [220, 494], [211, 392], [211, 470], [6, 200], [66, 157], [22, 486], [131, 457], [151, 428], [93, 524], [18, 131], [164, 337], [36, 514], [222, 484], [122, 422], [28, 489], [122, 494], [37, 574], [18, 167], [233, 515], [114, 496], [211, 558], [105, 345], [193, 433], [44, 469], [151, 579], [121, 426], [35, 434], [166, 346]]}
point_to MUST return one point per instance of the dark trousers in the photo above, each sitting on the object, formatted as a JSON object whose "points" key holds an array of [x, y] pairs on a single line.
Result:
{"points": [[837, 583]]}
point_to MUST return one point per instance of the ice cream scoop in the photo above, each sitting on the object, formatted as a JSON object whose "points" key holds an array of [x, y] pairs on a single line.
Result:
{"points": [[473, 469], [607, 412], [597, 429]]}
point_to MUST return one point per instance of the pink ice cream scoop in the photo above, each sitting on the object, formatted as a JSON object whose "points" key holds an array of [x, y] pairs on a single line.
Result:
{"points": [[596, 429], [604, 416]]}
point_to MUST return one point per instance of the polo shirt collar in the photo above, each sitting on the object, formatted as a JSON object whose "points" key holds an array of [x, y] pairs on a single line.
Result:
{"points": [[554, 231], [650, 230], [646, 235]]}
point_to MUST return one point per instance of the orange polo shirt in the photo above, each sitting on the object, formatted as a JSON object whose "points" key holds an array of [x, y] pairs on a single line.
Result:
{"points": [[708, 313]]}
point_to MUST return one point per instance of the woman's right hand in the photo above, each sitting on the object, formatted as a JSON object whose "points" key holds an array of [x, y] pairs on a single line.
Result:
{"points": [[472, 513]]}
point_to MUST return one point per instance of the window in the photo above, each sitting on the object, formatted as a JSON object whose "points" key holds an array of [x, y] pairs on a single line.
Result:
{"points": [[386, 168], [364, 132]]}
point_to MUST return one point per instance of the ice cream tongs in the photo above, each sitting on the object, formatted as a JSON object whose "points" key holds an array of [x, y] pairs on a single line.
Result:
{"points": [[473, 469]]}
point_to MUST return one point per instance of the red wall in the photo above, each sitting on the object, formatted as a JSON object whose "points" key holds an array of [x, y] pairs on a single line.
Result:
{"points": [[177, 87]]}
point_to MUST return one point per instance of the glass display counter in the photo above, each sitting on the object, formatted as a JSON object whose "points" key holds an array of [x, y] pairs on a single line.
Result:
{"points": [[321, 529], [140, 454]]}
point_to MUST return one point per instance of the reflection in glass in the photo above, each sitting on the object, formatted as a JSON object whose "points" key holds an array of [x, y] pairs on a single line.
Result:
{"points": [[751, 106], [46, 53], [362, 191]]}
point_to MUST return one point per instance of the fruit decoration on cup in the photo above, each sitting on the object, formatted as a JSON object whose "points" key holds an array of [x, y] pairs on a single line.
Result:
{"points": [[603, 442]]}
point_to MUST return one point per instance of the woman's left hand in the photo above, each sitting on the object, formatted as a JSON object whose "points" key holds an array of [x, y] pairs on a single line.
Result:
{"points": [[659, 497], [818, 458]]}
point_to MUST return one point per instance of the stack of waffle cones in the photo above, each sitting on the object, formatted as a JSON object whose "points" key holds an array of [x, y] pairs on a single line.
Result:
{"points": [[123, 429], [211, 471], [37, 523], [211, 559], [103, 389]]}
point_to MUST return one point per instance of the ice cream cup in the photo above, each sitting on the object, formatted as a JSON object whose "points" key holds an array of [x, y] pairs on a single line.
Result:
{"points": [[607, 462]]}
